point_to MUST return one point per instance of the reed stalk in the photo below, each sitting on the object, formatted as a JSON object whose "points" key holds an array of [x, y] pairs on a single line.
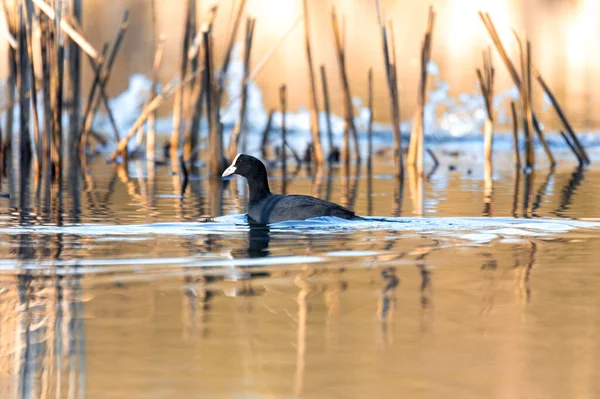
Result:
{"points": [[167, 92], [240, 129], [151, 136], [370, 125], [525, 92], [348, 106], [23, 86], [576, 144], [215, 136], [515, 134], [36, 145], [314, 106], [389, 58], [415, 151], [74, 77], [486, 83], [265, 135], [324, 84], [220, 88], [179, 94], [102, 75], [283, 154], [491, 28]]}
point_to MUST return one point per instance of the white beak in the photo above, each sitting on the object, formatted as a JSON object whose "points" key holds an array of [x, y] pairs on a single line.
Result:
{"points": [[229, 171]]}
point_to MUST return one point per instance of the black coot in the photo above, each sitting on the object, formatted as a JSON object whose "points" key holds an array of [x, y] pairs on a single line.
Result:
{"points": [[266, 208]]}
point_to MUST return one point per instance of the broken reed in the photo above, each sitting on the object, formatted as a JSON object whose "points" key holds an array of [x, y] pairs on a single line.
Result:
{"points": [[486, 83], [314, 106], [349, 126], [416, 146], [389, 57]]}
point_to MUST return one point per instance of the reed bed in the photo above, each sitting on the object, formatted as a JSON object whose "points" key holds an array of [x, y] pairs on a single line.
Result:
{"points": [[47, 38]]}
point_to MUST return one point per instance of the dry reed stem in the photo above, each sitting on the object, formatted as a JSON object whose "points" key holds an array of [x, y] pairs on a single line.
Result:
{"points": [[314, 106], [103, 71], [525, 57], [515, 132], [348, 106], [583, 157], [179, 94], [327, 112], [36, 145], [415, 151], [370, 124], [283, 105], [151, 136], [240, 128], [168, 91], [389, 57], [215, 137], [5, 29], [489, 25], [486, 83], [265, 135], [77, 37]]}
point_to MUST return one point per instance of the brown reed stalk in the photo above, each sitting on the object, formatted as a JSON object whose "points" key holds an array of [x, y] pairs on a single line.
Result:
{"points": [[570, 144], [486, 83], [37, 145], [220, 88], [178, 103], [87, 119], [193, 133], [415, 151], [579, 149], [283, 105], [525, 91], [101, 77], [515, 132], [389, 58], [491, 28], [215, 135], [314, 106], [151, 136], [10, 83], [67, 28], [74, 77], [327, 113], [23, 86], [370, 126], [348, 107], [167, 92], [265, 135], [240, 128], [46, 87]]}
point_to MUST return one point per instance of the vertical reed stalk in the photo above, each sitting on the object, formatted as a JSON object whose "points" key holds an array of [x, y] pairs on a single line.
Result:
{"points": [[327, 113], [370, 126], [215, 138], [240, 129], [151, 136], [525, 91], [486, 83], [24, 86], [283, 105], [37, 145], [179, 94], [348, 107], [415, 152], [389, 57], [489, 25], [314, 106], [265, 135], [74, 76], [515, 134]]}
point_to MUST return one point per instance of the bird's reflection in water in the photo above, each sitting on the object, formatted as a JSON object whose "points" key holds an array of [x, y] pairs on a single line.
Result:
{"points": [[258, 240]]}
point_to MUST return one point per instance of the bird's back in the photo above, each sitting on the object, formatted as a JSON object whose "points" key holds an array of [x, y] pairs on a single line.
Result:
{"points": [[279, 208]]}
